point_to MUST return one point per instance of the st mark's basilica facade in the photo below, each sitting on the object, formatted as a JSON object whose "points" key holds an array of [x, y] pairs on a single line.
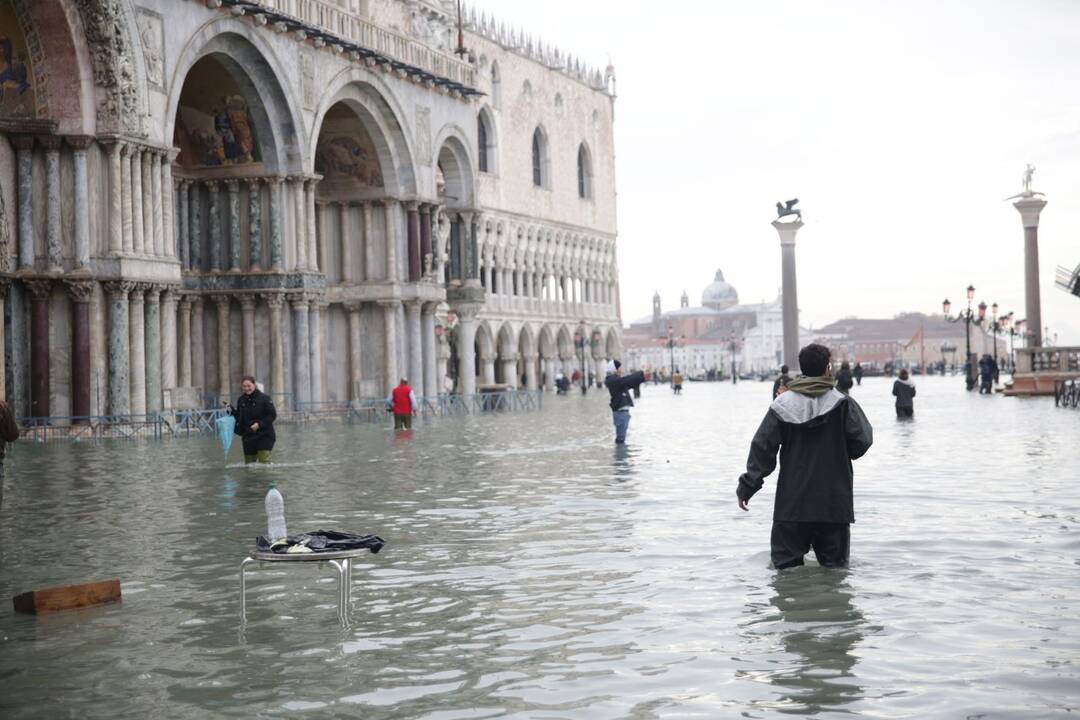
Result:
{"points": [[319, 193]]}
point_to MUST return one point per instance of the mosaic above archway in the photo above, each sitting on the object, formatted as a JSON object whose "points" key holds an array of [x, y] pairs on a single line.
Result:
{"points": [[345, 155], [17, 96], [213, 124]]}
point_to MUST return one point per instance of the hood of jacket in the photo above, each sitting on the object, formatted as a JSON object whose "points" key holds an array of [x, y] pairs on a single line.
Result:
{"points": [[906, 382], [797, 409]]}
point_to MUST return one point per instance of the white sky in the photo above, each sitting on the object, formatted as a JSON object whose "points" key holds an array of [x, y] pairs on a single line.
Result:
{"points": [[900, 126]]}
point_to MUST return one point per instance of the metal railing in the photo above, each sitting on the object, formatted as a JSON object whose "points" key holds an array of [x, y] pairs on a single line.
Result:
{"points": [[186, 423]]}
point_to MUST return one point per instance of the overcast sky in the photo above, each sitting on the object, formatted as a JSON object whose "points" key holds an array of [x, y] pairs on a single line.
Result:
{"points": [[900, 126]]}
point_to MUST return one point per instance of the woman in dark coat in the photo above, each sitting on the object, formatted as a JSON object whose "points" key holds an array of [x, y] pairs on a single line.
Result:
{"points": [[255, 415], [904, 390], [843, 378]]}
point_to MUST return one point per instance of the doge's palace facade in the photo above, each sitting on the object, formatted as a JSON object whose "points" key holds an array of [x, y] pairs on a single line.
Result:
{"points": [[319, 193]]}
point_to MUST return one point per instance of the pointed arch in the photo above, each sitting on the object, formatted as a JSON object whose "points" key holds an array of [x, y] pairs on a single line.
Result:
{"points": [[584, 172], [541, 161]]}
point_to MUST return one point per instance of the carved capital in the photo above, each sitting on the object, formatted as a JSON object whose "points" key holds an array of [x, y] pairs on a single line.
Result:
{"points": [[275, 180], [253, 184], [274, 300], [80, 291], [247, 302], [222, 301], [153, 292], [232, 184], [211, 185], [119, 289], [51, 142], [79, 142], [40, 288], [22, 142], [138, 292], [414, 307], [353, 306]]}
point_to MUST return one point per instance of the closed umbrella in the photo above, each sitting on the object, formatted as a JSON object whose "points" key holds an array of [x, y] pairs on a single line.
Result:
{"points": [[225, 426]]}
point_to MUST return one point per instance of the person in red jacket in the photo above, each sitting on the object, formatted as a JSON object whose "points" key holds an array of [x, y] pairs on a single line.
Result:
{"points": [[402, 402]]}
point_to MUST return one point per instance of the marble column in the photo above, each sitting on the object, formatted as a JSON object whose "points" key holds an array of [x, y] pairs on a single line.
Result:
{"points": [[157, 203], [413, 309], [390, 366], [24, 153], [40, 290], [296, 185], [367, 209], [80, 292], [355, 350], [466, 351], [390, 210], [234, 224], [127, 209], [1030, 209], [195, 228], [169, 301], [224, 306], [412, 240], [315, 345], [309, 212], [255, 223], [119, 359], [426, 251], [137, 348], [346, 243], [137, 206], [198, 347], [509, 370], [277, 350], [487, 368], [530, 372], [152, 317], [247, 314], [185, 237], [5, 285], [79, 145], [214, 211], [301, 352], [116, 226], [184, 342], [149, 202], [428, 348], [276, 184], [53, 238], [787, 231], [549, 374], [168, 211]]}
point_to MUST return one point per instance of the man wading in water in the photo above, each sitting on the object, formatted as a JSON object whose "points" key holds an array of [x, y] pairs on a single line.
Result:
{"points": [[818, 431]]}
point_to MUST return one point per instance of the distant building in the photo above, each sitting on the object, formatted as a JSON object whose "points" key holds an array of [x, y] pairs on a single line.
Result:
{"points": [[907, 339], [704, 334]]}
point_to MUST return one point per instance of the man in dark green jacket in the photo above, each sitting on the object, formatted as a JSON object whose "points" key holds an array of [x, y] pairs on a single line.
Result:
{"points": [[818, 431], [9, 432]]}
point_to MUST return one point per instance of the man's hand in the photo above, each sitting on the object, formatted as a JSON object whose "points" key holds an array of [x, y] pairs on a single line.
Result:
{"points": [[743, 504], [781, 390], [255, 427]]}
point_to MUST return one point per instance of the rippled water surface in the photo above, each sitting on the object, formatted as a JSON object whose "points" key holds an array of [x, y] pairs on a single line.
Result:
{"points": [[534, 571]]}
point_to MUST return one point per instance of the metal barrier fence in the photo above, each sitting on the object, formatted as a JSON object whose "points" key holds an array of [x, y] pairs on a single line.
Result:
{"points": [[185, 423]]}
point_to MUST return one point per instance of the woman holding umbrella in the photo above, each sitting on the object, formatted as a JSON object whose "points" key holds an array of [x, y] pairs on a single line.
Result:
{"points": [[255, 415]]}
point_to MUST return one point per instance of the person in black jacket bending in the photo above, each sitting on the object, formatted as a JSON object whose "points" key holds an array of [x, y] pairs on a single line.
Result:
{"points": [[619, 386], [818, 431], [255, 415]]}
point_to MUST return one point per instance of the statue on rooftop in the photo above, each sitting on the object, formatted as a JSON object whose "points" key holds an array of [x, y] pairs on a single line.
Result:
{"points": [[788, 208]]}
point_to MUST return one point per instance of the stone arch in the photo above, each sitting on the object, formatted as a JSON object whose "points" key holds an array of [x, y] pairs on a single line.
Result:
{"points": [[49, 74], [584, 171], [541, 158], [252, 67], [376, 107], [487, 141], [565, 341], [485, 340], [496, 85], [455, 165]]}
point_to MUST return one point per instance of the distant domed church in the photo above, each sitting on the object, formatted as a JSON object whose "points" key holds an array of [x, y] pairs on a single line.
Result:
{"points": [[719, 295]]}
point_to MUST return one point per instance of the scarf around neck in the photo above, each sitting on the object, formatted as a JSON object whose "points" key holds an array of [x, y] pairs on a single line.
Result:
{"points": [[811, 386]]}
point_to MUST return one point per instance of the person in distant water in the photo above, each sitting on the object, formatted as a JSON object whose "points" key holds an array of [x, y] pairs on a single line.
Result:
{"points": [[619, 387], [904, 390], [402, 401], [818, 431], [255, 415], [780, 382], [9, 432], [857, 373], [987, 371], [843, 378], [676, 382]]}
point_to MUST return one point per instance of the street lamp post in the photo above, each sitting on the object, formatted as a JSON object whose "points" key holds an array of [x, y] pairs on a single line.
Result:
{"points": [[968, 318], [579, 343], [671, 343], [733, 346]]}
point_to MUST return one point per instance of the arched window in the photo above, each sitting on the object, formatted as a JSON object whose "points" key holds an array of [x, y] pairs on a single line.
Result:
{"points": [[482, 142], [496, 86], [539, 159], [584, 173]]}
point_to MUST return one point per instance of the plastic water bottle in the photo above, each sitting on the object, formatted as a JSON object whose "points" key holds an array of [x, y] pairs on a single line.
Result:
{"points": [[275, 515]]}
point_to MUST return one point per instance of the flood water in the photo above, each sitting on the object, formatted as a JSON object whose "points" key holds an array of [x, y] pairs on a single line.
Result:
{"points": [[534, 571]]}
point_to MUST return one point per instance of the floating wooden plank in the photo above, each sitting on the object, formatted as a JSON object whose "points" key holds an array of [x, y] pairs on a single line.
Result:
{"points": [[69, 597]]}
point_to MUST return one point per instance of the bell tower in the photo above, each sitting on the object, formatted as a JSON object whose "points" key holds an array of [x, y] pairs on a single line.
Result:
{"points": [[657, 325]]}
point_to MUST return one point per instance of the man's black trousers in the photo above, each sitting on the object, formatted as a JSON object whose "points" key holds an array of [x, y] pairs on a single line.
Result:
{"points": [[792, 540]]}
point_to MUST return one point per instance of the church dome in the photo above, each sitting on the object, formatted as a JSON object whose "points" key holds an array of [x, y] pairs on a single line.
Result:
{"points": [[719, 295]]}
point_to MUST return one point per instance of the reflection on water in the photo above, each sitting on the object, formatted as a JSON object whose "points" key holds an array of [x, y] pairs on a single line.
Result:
{"points": [[535, 570]]}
